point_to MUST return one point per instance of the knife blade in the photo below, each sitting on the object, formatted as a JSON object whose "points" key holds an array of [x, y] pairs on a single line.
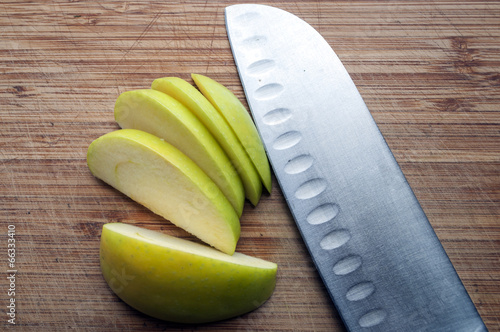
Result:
{"points": [[374, 248]]}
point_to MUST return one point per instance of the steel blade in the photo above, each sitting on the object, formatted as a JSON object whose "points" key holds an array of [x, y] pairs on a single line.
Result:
{"points": [[372, 244]]}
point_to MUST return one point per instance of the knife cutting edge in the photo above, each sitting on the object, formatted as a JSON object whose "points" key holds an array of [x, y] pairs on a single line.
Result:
{"points": [[375, 250]]}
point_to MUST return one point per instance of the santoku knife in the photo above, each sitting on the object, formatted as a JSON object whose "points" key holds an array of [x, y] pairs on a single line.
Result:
{"points": [[372, 244]]}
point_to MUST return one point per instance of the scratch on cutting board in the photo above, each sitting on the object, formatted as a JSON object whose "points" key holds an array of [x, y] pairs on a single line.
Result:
{"points": [[136, 42], [143, 33], [213, 35]]}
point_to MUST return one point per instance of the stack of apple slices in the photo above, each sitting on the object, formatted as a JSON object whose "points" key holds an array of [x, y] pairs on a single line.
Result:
{"points": [[191, 157]]}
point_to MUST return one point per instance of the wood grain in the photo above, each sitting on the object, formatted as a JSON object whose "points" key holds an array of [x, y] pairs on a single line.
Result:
{"points": [[428, 71]]}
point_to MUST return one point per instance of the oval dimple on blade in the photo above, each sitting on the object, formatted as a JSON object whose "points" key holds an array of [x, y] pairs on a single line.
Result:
{"points": [[335, 239], [287, 140], [372, 318], [268, 91], [254, 41], [360, 291], [311, 188], [260, 67], [277, 116], [299, 164], [322, 214], [347, 265], [246, 18]]}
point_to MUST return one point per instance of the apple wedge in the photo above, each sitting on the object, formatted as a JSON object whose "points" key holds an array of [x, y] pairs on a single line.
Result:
{"points": [[157, 175], [181, 281], [163, 116], [218, 127], [240, 121]]}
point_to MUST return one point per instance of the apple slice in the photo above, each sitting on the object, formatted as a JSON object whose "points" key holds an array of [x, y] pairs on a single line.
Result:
{"points": [[157, 175], [163, 116], [217, 125], [181, 281], [239, 120]]}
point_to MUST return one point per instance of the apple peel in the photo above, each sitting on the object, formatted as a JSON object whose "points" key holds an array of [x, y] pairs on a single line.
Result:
{"points": [[239, 120], [157, 175], [181, 281], [194, 100], [163, 116]]}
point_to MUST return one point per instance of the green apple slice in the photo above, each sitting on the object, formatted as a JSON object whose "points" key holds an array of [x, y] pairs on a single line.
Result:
{"points": [[157, 175], [163, 116], [181, 281], [217, 125], [240, 121]]}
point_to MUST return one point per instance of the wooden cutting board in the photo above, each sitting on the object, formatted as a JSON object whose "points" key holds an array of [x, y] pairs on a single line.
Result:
{"points": [[428, 71]]}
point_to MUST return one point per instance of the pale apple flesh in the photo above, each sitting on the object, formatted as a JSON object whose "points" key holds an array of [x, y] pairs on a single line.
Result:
{"points": [[189, 96], [181, 281], [240, 121], [157, 175], [163, 116]]}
